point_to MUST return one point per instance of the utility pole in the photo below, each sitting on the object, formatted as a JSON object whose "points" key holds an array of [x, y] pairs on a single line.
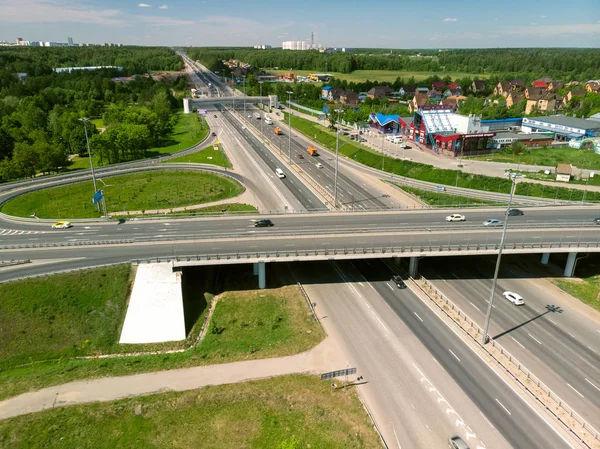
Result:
{"points": [[382, 151], [337, 149], [260, 83], [485, 338], [289, 92], [244, 96]]}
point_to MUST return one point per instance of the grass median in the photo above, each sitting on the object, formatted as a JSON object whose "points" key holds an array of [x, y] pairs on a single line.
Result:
{"points": [[423, 172], [139, 191], [287, 412], [207, 155], [58, 319], [446, 199]]}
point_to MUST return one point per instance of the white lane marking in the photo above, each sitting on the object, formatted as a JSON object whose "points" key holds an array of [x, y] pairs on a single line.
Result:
{"points": [[397, 442], [361, 284], [592, 384], [454, 275], [391, 288], [455, 356], [517, 342], [589, 347], [502, 405], [418, 316], [571, 387], [474, 305], [551, 320], [380, 322], [572, 335], [535, 339]]}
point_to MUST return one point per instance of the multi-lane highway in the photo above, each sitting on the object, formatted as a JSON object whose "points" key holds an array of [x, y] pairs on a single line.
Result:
{"points": [[378, 324], [554, 340]]}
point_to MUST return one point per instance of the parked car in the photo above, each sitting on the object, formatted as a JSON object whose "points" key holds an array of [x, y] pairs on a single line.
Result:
{"points": [[515, 212], [62, 225], [515, 298], [264, 223], [399, 281], [492, 222], [455, 217]]}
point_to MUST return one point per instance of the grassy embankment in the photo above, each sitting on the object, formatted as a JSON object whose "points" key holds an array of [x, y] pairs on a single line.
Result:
{"points": [[288, 412], [423, 172], [57, 318], [139, 191], [587, 287], [187, 133], [389, 76], [207, 155], [446, 200]]}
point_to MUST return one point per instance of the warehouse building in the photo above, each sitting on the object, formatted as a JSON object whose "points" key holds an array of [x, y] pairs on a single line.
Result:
{"points": [[562, 127]]}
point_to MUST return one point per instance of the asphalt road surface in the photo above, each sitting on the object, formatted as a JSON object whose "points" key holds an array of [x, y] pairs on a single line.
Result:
{"points": [[556, 342]]}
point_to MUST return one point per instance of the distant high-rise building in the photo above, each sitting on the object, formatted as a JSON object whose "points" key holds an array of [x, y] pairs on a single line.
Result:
{"points": [[295, 45], [70, 41]]}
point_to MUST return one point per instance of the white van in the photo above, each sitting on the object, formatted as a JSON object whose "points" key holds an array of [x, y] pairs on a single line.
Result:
{"points": [[279, 172], [268, 121]]}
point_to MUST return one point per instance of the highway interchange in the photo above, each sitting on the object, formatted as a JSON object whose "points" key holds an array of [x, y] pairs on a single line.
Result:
{"points": [[424, 383]]}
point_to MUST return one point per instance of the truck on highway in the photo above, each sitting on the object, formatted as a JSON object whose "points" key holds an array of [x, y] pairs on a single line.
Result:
{"points": [[277, 131], [268, 120], [312, 151]]}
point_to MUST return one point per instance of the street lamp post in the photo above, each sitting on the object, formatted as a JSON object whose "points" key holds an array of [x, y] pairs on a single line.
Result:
{"points": [[488, 315], [337, 149], [244, 96], [382, 151], [232, 94], [289, 92], [260, 83]]}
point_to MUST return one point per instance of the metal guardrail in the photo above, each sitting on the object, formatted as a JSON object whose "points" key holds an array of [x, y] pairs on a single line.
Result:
{"points": [[9, 263], [588, 435]]}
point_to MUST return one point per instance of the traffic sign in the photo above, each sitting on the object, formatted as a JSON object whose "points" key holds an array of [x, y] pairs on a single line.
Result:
{"points": [[97, 197]]}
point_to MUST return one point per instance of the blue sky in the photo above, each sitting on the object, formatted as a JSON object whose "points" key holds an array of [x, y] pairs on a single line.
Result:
{"points": [[383, 23]]}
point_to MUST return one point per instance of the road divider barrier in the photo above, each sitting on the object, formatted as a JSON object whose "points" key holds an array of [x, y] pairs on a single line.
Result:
{"points": [[550, 401]]}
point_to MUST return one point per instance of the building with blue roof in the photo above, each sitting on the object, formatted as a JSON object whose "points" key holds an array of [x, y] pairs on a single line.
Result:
{"points": [[391, 124]]}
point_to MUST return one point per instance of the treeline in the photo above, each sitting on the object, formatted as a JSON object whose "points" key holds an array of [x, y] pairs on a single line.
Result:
{"points": [[39, 117], [41, 60], [565, 64]]}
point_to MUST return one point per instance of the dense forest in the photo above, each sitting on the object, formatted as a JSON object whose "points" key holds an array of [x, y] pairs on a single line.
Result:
{"points": [[39, 116], [565, 64]]}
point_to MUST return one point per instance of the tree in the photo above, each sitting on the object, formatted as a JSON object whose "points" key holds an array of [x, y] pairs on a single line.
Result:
{"points": [[26, 159]]}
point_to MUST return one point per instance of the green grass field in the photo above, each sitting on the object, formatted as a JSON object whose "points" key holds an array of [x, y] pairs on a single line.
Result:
{"points": [[139, 191], [288, 412], [444, 199], [98, 122], [390, 76], [226, 208], [64, 315], [207, 155], [551, 157], [423, 172], [58, 317], [189, 131]]}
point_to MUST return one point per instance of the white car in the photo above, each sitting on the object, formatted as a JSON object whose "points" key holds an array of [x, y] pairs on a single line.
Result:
{"points": [[492, 222], [279, 172], [319, 165], [515, 298], [455, 217]]}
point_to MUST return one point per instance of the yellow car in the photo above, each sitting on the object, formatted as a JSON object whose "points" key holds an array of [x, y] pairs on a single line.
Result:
{"points": [[62, 225]]}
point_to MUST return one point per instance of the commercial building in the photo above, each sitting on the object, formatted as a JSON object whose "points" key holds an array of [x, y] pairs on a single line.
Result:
{"points": [[295, 45], [439, 128], [562, 127], [506, 139]]}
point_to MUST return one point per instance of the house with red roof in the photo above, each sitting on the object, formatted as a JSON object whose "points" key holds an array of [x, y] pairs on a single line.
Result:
{"points": [[438, 85], [540, 83], [453, 86]]}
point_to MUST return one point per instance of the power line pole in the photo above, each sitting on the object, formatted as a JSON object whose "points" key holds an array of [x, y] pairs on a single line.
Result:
{"points": [[290, 125], [337, 149], [87, 142]]}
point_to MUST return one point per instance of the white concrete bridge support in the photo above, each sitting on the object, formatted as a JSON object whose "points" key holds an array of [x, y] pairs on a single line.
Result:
{"points": [[262, 277], [255, 268], [413, 267], [545, 258], [570, 266]]}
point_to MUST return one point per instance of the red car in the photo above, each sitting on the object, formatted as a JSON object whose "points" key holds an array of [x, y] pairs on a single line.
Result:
{"points": [[300, 156]]}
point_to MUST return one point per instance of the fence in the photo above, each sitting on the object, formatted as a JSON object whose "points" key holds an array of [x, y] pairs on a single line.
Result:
{"points": [[570, 419]]}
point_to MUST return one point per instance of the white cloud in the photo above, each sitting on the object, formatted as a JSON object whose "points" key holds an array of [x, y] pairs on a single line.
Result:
{"points": [[543, 17], [450, 19], [163, 7], [48, 11], [164, 21], [144, 5]]}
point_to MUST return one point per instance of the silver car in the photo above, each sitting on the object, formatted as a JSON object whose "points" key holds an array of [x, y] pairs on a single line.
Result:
{"points": [[492, 222]]}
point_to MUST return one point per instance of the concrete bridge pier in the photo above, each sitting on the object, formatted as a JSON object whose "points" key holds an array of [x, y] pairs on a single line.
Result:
{"points": [[545, 258], [570, 266], [258, 268], [413, 267]]}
